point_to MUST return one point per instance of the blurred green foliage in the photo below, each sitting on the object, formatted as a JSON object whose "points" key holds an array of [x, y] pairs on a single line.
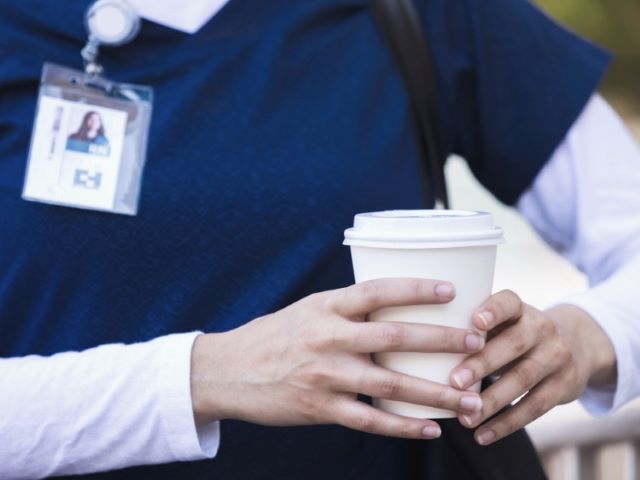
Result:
{"points": [[614, 24]]}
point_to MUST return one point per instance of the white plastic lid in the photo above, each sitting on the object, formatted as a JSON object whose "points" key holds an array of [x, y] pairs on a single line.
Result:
{"points": [[423, 229]]}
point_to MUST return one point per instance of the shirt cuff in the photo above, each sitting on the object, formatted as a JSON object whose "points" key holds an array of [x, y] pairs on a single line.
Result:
{"points": [[174, 391], [603, 400]]}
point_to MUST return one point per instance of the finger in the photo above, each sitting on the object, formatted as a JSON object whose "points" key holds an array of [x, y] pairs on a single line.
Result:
{"points": [[366, 297], [382, 383], [408, 337], [360, 416], [511, 344], [498, 309], [522, 377], [536, 403]]}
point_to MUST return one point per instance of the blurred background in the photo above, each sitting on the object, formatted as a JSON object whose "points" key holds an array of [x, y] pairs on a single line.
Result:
{"points": [[614, 25], [573, 445]]}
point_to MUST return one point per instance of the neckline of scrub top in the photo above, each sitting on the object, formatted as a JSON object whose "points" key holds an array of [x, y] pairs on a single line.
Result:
{"points": [[173, 14]]}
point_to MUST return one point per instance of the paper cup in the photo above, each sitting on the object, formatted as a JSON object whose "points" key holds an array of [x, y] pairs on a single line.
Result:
{"points": [[456, 246]]}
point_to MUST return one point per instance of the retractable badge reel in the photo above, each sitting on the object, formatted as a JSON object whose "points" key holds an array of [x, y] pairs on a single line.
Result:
{"points": [[89, 139]]}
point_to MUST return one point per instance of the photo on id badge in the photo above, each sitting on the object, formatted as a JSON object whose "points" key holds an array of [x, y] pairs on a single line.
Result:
{"points": [[92, 151], [76, 154]]}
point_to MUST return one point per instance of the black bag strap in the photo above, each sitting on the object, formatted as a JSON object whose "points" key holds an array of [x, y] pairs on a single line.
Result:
{"points": [[400, 25]]}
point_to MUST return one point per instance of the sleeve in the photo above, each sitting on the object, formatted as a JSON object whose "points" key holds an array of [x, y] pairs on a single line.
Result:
{"points": [[586, 203], [511, 82], [106, 408]]}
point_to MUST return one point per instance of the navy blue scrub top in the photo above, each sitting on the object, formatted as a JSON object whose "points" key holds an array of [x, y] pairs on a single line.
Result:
{"points": [[273, 125]]}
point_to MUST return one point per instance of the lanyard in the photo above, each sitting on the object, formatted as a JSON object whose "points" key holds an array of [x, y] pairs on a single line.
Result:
{"points": [[108, 22]]}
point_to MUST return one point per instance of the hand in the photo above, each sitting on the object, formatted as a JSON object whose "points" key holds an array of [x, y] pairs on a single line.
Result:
{"points": [[306, 363], [551, 355]]}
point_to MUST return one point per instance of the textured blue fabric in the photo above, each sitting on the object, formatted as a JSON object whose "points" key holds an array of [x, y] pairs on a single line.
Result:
{"points": [[272, 127]]}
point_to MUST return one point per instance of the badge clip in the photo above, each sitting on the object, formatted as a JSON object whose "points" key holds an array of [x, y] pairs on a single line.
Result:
{"points": [[108, 22]]}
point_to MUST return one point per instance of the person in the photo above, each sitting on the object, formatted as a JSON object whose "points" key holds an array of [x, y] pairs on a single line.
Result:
{"points": [[90, 137], [297, 119]]}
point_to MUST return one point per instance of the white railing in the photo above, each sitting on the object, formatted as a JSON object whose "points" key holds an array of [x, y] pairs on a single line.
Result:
{"points": [[576, 446]]}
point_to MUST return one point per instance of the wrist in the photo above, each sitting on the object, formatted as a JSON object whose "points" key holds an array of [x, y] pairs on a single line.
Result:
{"points": [[594, 348], [206, 395]]}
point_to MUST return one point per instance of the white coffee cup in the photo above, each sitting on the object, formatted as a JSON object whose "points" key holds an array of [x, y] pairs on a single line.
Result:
{"points": [[456, 246]]}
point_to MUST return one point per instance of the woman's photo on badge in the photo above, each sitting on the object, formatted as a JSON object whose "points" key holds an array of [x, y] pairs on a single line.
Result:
{"points": [[90, 137]]}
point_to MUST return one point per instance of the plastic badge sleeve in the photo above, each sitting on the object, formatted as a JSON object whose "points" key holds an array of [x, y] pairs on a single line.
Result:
{"points": [[89, 142]]}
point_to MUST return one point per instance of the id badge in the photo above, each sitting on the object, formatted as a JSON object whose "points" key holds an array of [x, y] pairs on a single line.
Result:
{"points": [[89, 140]]}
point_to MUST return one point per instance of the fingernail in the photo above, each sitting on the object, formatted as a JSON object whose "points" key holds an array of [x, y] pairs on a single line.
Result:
{"points": [[474, 342], [486, 318], [445, 290], [486, 437], [462, 377], [473, 404], [431, 432], [467, 420]]}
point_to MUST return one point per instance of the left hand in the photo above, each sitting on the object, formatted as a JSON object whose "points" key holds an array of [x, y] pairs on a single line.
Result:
{"points": [[551, 356]]}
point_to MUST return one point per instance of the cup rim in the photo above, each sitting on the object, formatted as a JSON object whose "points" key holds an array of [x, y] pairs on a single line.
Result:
{"points": [[486, 234]]}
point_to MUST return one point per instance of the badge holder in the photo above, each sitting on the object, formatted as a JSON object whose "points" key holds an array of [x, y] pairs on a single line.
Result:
{"points": [[89, 139]]}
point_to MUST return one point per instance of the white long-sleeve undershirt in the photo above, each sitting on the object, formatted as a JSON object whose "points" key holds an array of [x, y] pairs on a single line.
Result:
{"points": [[586, 204], [116, 406]]}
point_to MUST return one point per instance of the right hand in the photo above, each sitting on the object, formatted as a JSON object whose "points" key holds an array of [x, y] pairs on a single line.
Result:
{"points": [[306, 363]]}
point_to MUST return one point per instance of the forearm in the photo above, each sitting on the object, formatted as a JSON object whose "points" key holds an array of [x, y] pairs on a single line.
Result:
{"points": [[102, 409]]}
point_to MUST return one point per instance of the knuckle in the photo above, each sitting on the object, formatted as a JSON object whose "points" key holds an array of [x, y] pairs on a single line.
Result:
{"points": [[480, 365], [332, 300], [511, 302], [392, 336], [450, 339], [509, 426], [331, 336], [372, 293], [365, 422], [441, 398], [547, 327], [337, 338], [419, 288], [507, 292], [406, 430], [317, 298], [525, 374], [314, 374], [537, 327], [563, 352], [389, 386], [490, 402], [519, 343], [512, 297], [536, 407], [311, 341]]}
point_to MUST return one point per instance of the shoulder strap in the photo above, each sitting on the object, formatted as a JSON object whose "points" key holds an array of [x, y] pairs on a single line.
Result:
{"points": [[401, 27]]}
